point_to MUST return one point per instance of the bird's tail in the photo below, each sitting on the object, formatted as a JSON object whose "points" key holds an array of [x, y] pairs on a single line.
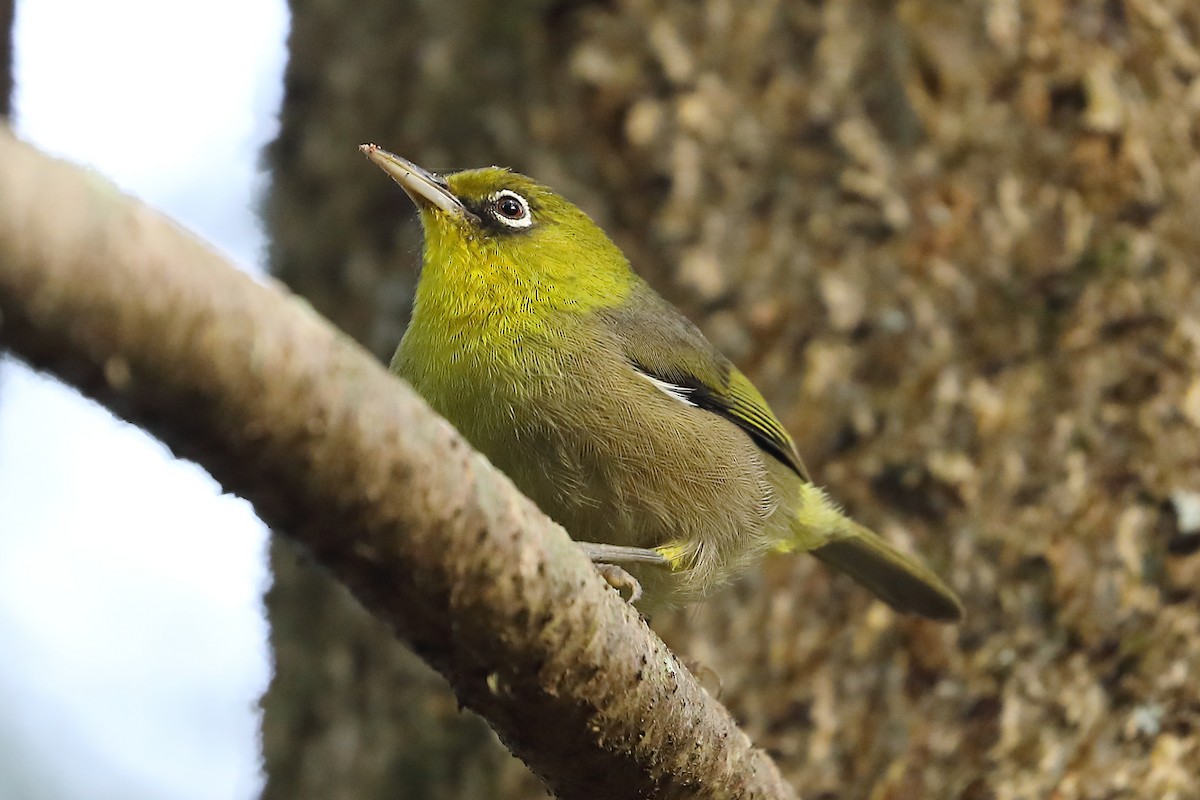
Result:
{"points": [[902, 581]]}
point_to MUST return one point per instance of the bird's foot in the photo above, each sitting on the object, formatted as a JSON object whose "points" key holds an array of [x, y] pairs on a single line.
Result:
{"points": [[622, 581], [707, 677]]}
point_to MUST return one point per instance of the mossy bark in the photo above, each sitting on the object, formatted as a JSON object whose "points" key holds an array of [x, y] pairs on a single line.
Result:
{"points": [[955, 245]]}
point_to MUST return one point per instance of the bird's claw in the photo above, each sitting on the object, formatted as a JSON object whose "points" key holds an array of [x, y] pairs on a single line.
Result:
{"points": [[622, 581]]}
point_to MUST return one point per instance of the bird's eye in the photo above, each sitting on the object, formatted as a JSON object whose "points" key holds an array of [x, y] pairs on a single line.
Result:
{"points": [[511, 209]]}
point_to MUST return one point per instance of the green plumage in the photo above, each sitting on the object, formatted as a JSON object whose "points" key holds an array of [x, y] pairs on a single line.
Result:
{"points": [[532, 334], [660, 341]]}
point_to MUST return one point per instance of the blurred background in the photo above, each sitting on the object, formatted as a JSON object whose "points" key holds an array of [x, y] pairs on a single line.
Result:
{"points": [[132, 638], [954, 244]]}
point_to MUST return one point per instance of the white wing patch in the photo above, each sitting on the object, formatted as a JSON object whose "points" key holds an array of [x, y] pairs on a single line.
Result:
{"points": [[674, 391]]}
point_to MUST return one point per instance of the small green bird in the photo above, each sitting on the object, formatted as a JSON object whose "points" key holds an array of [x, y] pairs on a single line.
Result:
{"points": [[532, 334]]}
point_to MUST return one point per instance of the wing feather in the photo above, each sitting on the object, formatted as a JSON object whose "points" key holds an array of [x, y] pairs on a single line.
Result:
{"points": [[670, 351]]}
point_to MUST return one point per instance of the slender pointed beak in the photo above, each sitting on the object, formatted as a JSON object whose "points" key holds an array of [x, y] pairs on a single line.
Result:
{"points": [[424, 187]]}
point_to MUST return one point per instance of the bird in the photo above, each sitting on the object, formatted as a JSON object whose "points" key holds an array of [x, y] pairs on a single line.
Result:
{"points": [[533, 335]]}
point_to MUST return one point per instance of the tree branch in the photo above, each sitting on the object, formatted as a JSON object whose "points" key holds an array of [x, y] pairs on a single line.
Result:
{"points": [[282, 409]]}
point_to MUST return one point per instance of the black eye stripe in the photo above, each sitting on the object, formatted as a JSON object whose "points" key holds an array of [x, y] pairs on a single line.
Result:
{"points": [[489, 218]]}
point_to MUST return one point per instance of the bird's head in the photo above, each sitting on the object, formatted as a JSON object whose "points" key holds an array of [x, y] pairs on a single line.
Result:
{"points": [[497, 238]]}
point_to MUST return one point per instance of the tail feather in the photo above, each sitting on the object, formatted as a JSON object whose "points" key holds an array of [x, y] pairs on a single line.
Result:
{"points": [[901, 581]]}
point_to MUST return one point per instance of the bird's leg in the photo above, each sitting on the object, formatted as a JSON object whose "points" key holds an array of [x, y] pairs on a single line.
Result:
{"points": [[619, 554], [608, 557]]}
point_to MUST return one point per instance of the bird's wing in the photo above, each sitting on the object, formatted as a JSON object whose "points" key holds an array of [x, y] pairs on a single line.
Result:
{"points": [[670, 351]]}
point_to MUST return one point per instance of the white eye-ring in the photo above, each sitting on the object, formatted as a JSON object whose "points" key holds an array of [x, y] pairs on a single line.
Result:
{"points": [[511, 209]]}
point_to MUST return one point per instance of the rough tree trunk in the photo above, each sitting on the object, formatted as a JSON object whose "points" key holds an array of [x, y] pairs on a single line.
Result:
{"points": [[6, 52], [954, 243]]}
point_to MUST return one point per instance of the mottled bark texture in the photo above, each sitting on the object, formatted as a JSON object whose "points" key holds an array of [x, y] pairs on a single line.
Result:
{"points": [[348, 462], [955, 244]]}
